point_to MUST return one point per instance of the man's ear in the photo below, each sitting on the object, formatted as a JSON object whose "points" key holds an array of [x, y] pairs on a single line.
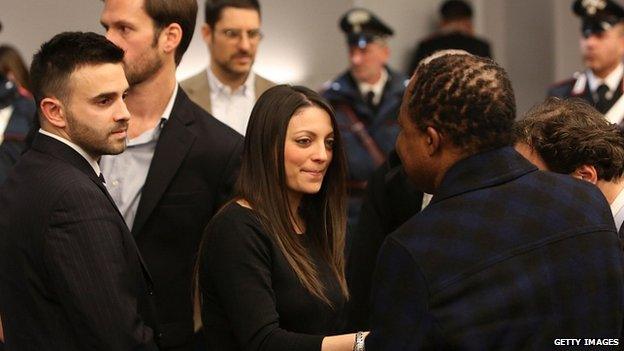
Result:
{"points": [[171, 36], [53, 111], [433, 140], [206, 33], [586, 172]]}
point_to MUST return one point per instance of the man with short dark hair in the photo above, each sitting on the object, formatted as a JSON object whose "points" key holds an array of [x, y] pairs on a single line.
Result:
{"points": [[366, 98], [228, 88], [456, 32], [71, 275], [571, 137], [180, 164], [602, 48], [504, 256]]}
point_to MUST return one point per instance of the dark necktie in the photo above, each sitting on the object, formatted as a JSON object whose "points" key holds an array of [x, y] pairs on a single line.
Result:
{"points": [[603, 104], [370, 100], [102, 178]]}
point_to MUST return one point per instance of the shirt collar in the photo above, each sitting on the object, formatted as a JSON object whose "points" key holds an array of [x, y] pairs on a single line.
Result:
{"points": [[93, 162], [167, 112], [246, 89], [612, 80], [618, 204], [377, 87]]}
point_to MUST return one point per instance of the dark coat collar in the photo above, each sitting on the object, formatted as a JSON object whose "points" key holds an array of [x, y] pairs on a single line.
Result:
{"points": [[482, 170], [59, 150]]}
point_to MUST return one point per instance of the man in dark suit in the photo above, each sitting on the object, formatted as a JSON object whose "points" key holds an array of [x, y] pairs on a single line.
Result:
{"points": [[389, 201], [71, 276], [456, 32], [602, 48], [505, 256], [180, 162]]}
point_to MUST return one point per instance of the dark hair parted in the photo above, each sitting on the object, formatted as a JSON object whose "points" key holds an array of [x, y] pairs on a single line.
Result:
{"points": [[66, 52], [466, 98], [455, 10], [262, 182], [214, 8], [570, 133], [166, 12], [11, 62]]}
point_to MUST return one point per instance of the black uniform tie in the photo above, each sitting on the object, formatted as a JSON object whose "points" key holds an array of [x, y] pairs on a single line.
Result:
{"points": [[370, 100], [102, 178], [603, 104]]}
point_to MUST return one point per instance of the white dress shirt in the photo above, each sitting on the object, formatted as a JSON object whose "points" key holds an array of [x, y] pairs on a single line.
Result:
{"points": [[617, 208], [376, 88], [5, 116], [611, 81], [126, 173], [232, 107]]}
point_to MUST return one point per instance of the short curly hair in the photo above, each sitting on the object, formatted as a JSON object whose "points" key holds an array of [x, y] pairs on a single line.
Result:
{"points": [[570, 133], [467, 98]]}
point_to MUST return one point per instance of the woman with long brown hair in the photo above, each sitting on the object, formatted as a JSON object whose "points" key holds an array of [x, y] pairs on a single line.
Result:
{"points": [[271, 265]]}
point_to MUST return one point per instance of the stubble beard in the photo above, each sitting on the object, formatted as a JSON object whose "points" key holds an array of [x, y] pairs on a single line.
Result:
{"points": [[95, 143]]}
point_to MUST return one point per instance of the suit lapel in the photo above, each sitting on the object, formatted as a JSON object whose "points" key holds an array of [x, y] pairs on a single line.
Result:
{"points": [[171, 149], [261, 85], [201, 91]]}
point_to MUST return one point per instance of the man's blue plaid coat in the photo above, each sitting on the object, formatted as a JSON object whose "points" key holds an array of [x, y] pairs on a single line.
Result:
{"points": [[504, 257]]}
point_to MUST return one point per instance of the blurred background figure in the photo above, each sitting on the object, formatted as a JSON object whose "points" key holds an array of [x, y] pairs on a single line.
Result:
{"points": [[602, 48], [456, 32], [17, 108], [12, 66], [366, 98], [228, 88]]}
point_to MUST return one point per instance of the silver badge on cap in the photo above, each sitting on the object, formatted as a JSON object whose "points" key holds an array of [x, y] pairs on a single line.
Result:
{"points": [[593, 6], [357, 18]]}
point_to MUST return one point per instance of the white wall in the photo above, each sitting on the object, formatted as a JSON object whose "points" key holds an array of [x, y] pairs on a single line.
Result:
{"points": [[536, 41]]}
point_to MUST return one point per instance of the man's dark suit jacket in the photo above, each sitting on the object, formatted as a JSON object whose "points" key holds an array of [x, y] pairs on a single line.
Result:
{"points": [[71, 277], [190, 177], [390, 200], [504, 257]]}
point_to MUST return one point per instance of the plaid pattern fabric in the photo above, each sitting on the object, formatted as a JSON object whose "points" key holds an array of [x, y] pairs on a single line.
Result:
{"points": [[504, 257]]}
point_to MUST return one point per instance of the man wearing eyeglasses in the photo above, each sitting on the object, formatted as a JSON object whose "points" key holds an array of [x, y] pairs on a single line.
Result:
{"points": [[228, 88]]}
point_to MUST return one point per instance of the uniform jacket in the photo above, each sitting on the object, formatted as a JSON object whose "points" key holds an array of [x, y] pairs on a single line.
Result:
{"points": [[380, 124], [190, 177], [504, 257], [578, 87], [71, 277], [198, 88], [20, 122]]}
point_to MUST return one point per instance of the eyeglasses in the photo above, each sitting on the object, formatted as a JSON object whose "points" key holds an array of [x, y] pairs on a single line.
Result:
{"points": [[254, 35]]}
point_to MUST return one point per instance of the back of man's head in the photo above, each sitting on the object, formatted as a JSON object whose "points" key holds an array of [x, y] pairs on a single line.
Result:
{"points": [[567, 134], [466, 98], [453, 10], [214, 8], [182, 12], [55, 61]]}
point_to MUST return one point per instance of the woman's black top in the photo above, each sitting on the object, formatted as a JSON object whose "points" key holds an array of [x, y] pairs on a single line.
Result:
{"points": [[251, 297]]}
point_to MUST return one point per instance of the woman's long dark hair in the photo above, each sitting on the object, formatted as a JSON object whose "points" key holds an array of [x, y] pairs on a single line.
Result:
{"points": [[262, 182]]}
